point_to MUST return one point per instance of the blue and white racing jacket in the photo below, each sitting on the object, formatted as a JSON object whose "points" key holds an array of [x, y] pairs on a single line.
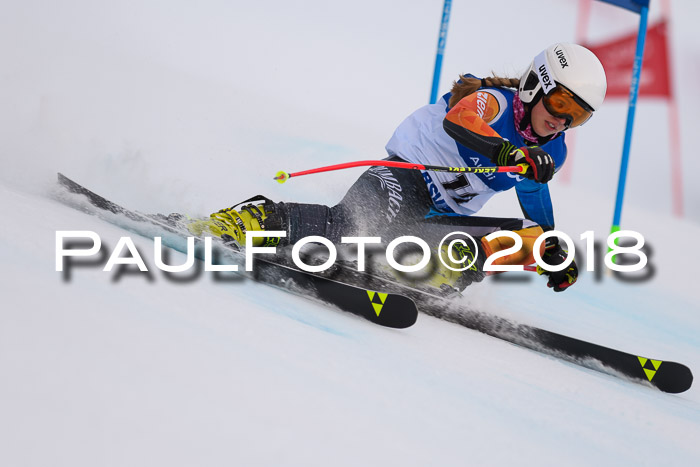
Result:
{"points": [[486, 114]]}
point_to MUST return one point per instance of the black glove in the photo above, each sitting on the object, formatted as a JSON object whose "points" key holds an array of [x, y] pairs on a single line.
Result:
{"points": [[538, 164], [554, 255]]}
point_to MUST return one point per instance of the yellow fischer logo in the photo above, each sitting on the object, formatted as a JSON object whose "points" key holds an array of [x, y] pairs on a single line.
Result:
{"points": [[650, 367], [377, 299]]}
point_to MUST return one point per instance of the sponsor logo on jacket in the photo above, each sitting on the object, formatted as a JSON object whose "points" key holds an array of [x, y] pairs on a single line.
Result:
{"points": [[481, 102], [435, 195]]}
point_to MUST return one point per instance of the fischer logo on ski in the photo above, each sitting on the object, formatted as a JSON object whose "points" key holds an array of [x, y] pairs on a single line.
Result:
{"points": [[378, 304], [650, 369]]}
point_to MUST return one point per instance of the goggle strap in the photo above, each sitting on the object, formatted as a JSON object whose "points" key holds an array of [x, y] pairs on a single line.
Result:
{"points": [[544, 73]]}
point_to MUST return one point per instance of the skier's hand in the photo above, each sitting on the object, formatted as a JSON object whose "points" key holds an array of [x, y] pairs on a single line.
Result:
{"points": [[538, 165], [554, 255]]}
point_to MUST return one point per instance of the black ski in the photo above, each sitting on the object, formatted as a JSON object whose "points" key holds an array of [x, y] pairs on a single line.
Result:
{"points": [[667, 376], [386, 309]]}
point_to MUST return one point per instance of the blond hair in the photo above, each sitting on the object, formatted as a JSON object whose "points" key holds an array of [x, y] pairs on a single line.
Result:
{"points": [[466, 85]]}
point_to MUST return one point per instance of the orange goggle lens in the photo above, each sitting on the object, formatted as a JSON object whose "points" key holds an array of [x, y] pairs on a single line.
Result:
{"points": [[562, 103]]}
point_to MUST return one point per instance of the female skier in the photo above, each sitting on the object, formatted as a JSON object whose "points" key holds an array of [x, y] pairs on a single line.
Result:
{"points": [[481, 122]]}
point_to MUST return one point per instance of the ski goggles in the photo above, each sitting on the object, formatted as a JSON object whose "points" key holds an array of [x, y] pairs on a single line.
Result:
{"points": [[562, 103]]}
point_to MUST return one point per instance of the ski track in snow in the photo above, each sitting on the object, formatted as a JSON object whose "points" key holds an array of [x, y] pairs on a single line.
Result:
{"points": [[226, 365], [178, 109]]}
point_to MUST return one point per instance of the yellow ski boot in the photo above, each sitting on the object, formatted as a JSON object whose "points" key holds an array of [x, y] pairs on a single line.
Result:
{"points": [[231, 224], [450, 281], [454, 279]]}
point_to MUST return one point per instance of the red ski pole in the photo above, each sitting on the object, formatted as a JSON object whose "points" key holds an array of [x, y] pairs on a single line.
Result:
{"points": [[283, 176]]}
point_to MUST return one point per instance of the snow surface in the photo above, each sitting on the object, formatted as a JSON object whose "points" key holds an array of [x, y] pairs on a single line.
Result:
{"points": [[176, 106]]}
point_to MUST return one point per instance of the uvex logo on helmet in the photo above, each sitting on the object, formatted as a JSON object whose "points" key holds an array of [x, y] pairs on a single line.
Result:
{"points": [[545, 79], [571, 65], [562, 58]]}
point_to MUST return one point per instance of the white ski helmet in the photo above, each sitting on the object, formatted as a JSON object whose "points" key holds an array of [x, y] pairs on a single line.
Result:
{"points": [[575, 73]]}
